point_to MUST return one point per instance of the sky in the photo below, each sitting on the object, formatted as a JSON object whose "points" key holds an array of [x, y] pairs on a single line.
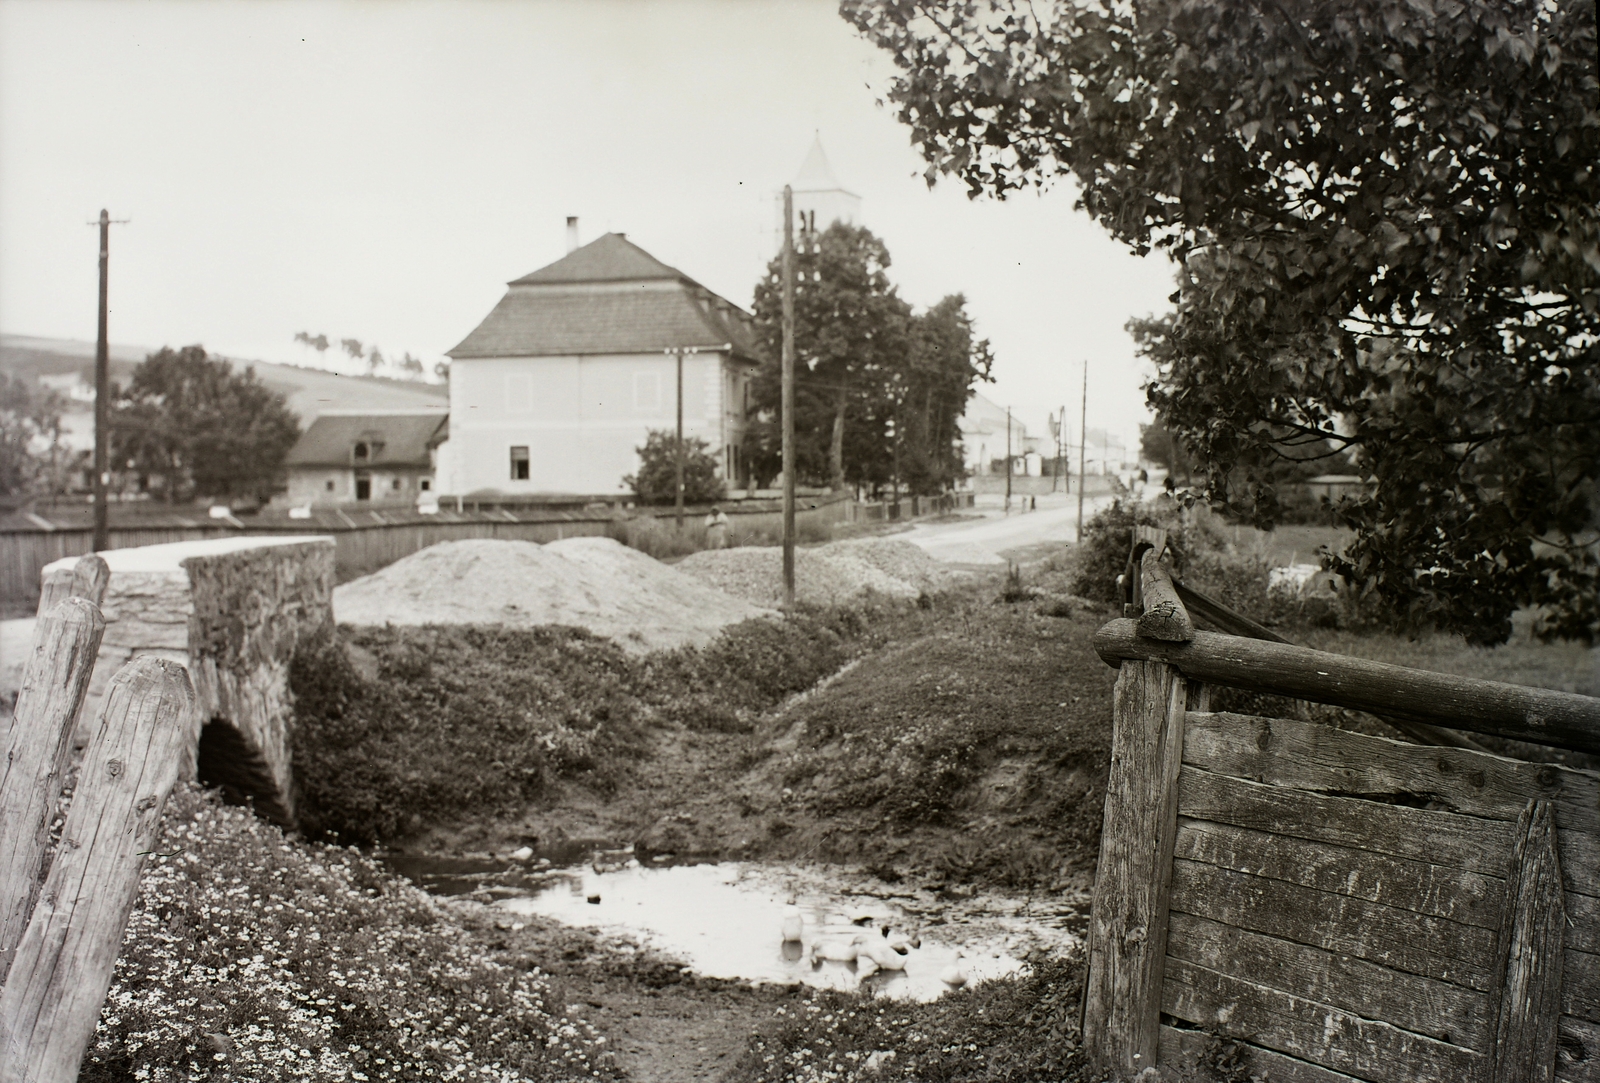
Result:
{"points": [[379, 169]]}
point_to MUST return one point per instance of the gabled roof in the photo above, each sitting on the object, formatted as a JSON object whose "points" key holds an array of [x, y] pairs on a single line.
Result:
{"points": [[816, 175], [610, 296], [609, 258], [406, 436]]}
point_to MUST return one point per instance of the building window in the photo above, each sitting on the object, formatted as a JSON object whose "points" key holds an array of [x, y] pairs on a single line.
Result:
{"points": [[519, 464], [395, 485], [426, 484], [363, 487], [329, 485], [363, 453]]}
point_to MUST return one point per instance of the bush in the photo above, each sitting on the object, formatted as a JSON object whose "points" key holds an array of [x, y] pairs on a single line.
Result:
{"points": [[657, 479], [1103, 552], [251, 956], [463, 720]]}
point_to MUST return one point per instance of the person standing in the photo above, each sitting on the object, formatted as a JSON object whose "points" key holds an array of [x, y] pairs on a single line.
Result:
{"points": [[717, 529]]}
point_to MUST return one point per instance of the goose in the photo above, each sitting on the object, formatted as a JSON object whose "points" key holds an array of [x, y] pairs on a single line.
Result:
{"points": [[835, 951], [954, 975], [901, 943], [794, 923], [882, 954]]}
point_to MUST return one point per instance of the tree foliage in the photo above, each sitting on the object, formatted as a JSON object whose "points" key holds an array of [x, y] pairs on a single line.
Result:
{"points": [[30, 437], [878, 389], [189, 427], [657, 479], [1386, 221]]}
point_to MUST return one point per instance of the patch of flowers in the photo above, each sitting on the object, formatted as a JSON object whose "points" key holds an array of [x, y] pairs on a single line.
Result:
{"points": [[251, 956], [1021, 1030]]}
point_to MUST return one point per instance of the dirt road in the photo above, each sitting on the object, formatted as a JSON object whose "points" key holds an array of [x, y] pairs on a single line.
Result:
{"points": [[982, 540]]}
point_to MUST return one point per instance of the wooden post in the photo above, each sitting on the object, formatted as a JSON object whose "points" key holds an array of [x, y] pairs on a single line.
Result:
{"points": [[1128, 926], [37, 741], [88, 580], [1527, 993], [1164, 616], [63, 965]]}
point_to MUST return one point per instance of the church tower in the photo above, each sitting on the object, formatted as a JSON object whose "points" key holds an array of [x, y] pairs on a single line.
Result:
{"points": [[819, 199]]}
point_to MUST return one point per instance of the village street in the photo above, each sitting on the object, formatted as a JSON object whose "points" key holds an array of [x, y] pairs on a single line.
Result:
{"points": [[982, 540]]}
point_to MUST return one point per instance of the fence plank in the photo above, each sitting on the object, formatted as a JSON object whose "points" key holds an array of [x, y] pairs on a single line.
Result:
{"points": [[37, 740], [1310, 756], [1540, 715], [1580, 984], [1128, 924], [1312, 1031], [1434, 890], [1583, 917], [1402, 939], [1528, 955], [1439, 838], [88, 580], [1436, 1009], [1262, 1063], [63, 965], [1577, 1051]]}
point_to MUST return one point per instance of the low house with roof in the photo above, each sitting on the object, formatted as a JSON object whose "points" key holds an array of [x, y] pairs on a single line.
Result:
{"points": [[560, 384], [366, 458]]}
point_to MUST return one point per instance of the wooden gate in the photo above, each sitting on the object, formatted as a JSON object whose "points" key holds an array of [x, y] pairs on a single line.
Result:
{"points": [[1349, 907]]}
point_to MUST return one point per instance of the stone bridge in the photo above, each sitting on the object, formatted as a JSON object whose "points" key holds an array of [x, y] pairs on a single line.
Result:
{"points": [[233, 610]]}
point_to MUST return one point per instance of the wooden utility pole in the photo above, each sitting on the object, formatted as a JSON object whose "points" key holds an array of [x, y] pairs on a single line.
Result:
{"points": [[1008, 460], [1061, 443], [1083, 436], [102, 390], [788, 396], [679, 456]]}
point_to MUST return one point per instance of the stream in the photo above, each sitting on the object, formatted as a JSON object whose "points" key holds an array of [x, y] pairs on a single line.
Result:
{"points": [[726, 920]]}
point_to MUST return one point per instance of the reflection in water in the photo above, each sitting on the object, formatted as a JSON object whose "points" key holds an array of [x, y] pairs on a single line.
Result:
{"points": [[726, 923]]}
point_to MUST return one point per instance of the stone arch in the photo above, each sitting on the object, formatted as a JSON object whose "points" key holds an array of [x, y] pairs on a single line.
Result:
{"points": [[227, 760]]}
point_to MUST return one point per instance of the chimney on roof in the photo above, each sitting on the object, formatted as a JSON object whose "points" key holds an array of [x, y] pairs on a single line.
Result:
{"points": [[572, 233]]}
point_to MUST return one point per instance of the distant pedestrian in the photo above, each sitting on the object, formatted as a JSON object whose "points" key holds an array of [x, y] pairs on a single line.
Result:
{"points": [[717, 529]]}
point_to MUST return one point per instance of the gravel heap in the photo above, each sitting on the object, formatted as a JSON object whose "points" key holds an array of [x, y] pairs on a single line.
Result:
{"points": [[826, 575], [594, 583]]}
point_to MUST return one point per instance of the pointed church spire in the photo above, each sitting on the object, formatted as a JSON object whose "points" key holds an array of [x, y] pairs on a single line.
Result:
{"points": [[819, 198]]}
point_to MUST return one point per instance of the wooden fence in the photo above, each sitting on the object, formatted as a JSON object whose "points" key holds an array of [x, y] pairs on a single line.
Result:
{"points": [[1348, 907]]}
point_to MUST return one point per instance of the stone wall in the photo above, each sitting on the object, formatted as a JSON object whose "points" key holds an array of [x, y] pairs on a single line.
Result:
{"points": [[232, 610]]}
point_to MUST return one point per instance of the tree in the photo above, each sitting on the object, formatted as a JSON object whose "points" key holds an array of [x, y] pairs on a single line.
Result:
{"points": [[318, 342], [657, 479], [945, 360], [1386, 222], [189, 427], [851, 327], [30, 437]]}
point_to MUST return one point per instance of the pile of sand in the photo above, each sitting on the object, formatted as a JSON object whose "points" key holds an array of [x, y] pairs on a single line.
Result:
{"points": [[829, 574], [594, 583]]}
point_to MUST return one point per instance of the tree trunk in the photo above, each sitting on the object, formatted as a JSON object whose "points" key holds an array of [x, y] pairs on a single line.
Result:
{"points": [[836, 448]]}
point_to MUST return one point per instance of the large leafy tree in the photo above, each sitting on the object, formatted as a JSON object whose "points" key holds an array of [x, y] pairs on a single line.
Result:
{"points": [[945, 361], [188, 426], [851, 329], [1386, 221], [31, 450]]}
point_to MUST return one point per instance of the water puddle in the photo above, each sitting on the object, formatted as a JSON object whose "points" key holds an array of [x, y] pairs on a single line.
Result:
{"points": [[728, 920]]}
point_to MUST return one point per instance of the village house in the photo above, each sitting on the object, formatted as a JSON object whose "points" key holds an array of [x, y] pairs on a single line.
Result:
{"points": [[560, 384], [365, 457]]}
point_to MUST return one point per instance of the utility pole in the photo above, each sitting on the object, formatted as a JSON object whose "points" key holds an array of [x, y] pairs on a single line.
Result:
{"points": [[1008, 460], [788, 397], [678, 458], [1083, 436], [1061, 439], [102, 390]]}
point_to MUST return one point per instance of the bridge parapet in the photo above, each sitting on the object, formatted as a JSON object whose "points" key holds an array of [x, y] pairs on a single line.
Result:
{"points": [[233, 610]]}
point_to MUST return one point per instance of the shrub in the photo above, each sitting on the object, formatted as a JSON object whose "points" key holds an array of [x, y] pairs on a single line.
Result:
{"points": [[1103, 552], [657, 479], [251, 956]]}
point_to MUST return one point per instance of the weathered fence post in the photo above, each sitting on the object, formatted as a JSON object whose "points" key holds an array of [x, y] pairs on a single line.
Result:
{"points": [[36, 743], [63, 965], [87, 579], [1128, 926], [1527, 975]]}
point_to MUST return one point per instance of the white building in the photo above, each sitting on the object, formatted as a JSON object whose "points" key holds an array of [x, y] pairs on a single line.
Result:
{"points": [[983, 437], [819, 199], [560, 384]]}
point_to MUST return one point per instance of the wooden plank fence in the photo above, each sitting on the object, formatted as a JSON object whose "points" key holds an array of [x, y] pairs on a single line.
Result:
{"points": [[65, 912], [1349, 907]]}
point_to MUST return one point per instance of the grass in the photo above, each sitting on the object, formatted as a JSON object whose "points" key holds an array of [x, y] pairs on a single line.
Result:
{"points": [[250, 956]]}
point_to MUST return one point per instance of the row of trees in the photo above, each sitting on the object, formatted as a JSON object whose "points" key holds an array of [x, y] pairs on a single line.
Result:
{"points": [[405, 367], [1385, 220], [878, 388]]}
